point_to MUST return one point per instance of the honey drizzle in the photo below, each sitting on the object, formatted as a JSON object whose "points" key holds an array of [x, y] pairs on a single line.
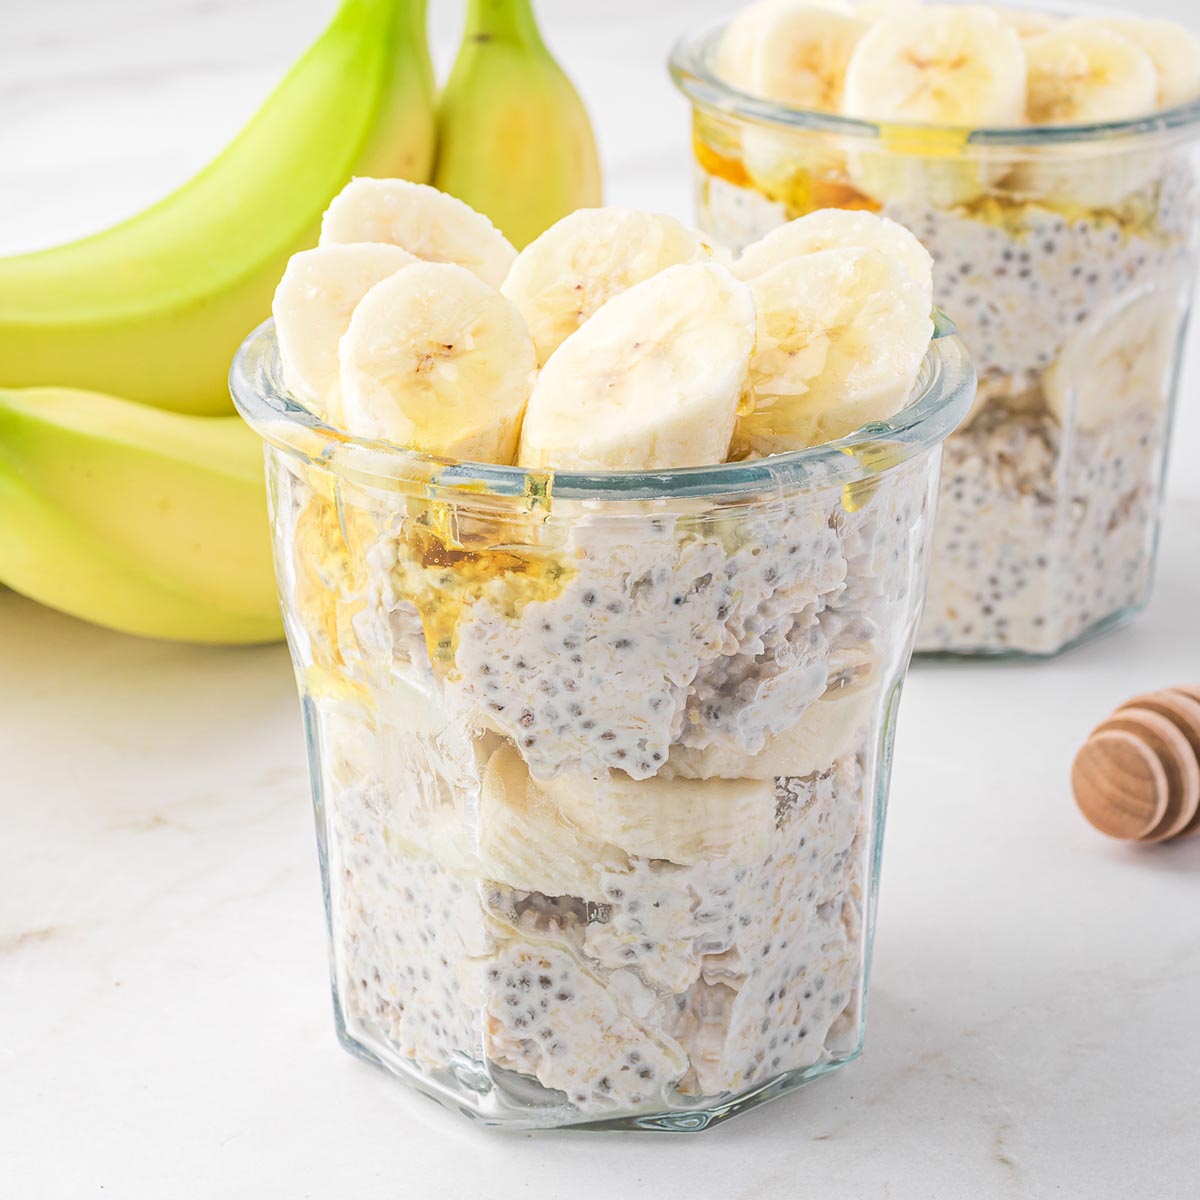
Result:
{"points": [[803, 191]]}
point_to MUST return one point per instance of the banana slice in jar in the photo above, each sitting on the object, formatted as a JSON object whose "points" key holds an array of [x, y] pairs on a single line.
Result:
{"points": [[837, 228], [424, 221], [1120, 362], [828, 729], [948, 69], [939, 65], [514, 835], [651, 382], [1079, 73], [561, 278], [737, 58], [313, 304], [1173, 50], [435, 360], [841, 338], [801, 55], [684, 821], [795, 53]]}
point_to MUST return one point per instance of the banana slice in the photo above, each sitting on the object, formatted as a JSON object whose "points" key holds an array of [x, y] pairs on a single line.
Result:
{"points": [[801, 55], [425, 222], [841, 337], [1172, 49], [561, 278], [948, 69], [518, 838], [651, 382], [828, 729], [1079, 73], [1116, 364], [793, 52], [737, 53], [942, 65], [313, 305], [684, 821], [837, 228], [434, 359]]}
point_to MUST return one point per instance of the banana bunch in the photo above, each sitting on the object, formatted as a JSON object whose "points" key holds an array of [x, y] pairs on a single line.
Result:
{"points": [[150, 517], [154, 308], [146, 521], [508, 113]]}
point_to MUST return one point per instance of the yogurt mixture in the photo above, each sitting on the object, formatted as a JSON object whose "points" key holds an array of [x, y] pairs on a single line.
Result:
{"points": [[1067, 271], [609, 850]]}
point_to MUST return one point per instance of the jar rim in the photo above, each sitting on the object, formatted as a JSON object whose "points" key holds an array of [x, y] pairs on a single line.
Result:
{"points": [[943, 394], [691, 67]]}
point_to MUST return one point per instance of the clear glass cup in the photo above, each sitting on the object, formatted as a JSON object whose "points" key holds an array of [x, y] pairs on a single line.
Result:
{"points": [[1067, 257], [600, 762]]}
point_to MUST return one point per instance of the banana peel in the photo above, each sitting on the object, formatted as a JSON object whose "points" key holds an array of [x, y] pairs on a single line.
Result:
{"points": [[144, 521]]}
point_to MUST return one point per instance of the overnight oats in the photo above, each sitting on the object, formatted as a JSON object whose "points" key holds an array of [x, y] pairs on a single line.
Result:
{"points": [[601, 567], [1048, 164]]}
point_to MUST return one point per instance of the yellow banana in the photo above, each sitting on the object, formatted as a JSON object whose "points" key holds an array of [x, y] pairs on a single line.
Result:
{"points": [[146, 521], [514, 140], [154, 308]]}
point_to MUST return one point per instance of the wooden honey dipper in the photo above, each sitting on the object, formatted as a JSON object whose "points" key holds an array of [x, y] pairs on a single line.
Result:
{"points": [[1137, 776]]}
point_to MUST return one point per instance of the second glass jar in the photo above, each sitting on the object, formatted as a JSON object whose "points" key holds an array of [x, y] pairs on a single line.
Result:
{"points": [[1067, 258]]}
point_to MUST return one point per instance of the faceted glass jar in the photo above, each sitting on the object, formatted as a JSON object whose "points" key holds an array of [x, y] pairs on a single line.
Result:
{"points": [[1067, 258], [600, 762]]}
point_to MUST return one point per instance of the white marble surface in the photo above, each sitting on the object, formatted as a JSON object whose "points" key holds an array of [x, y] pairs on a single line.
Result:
{"points": [[165, 1027]]}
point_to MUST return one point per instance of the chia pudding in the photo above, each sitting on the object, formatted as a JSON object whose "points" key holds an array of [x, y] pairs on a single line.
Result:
{"points": [[611, 855], [1066, 261], [600, 737]]}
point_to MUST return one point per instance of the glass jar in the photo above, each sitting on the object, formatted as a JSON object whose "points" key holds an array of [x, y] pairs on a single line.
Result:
{"points": [[600, 762], [1066, 256]]}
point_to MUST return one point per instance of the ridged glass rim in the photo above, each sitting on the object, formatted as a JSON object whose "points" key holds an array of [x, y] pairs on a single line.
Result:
{"points": [[944, 392], [690, 64]]}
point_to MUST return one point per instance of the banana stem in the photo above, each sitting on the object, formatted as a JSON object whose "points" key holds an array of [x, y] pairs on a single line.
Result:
{"points": [[502, 21]]}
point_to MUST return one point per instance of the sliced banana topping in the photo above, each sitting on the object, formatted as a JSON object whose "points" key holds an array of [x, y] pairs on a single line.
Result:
{"points": [[652, 381], [1080, 72], [801, 54], [436, 360], [424, 221], [737, 59], [1173, 51], [841, 337], [833, 229], [905, 65], [313, 305], [560, 279], [1117, 363], [945, 65]]}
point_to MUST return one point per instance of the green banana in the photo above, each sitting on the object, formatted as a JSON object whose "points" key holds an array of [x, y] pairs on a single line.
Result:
{"points": [[146, 521], [154, 308], [514, 140]]}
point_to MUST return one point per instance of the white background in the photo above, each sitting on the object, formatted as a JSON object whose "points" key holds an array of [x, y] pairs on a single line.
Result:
{"points": [[164, 1024]]}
